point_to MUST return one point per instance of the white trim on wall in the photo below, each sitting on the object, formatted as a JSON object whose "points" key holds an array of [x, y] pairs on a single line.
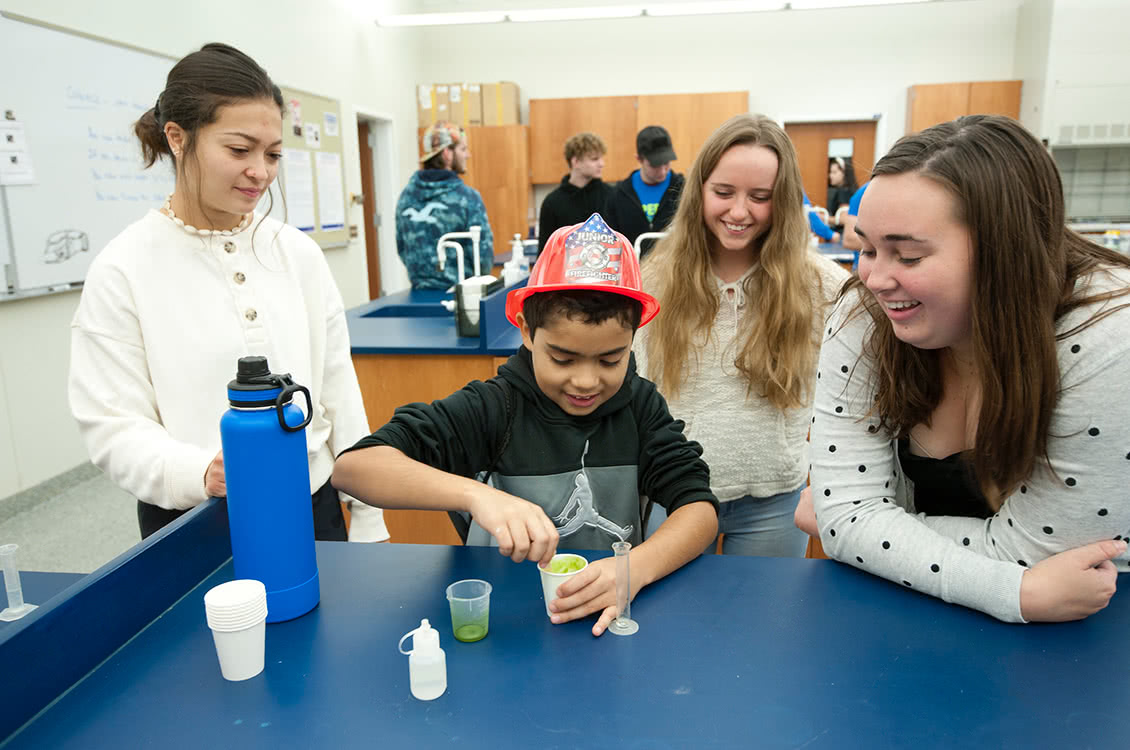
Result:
{"points": [[386, 171]]}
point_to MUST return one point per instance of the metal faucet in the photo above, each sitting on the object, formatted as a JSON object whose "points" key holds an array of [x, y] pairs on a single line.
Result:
{"points": [[647, 236], [442, 248], [448, 240]]}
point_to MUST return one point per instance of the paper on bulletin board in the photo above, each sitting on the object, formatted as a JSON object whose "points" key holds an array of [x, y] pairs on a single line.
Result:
{"points": [[331, 203], [313, 136], [329, 120], [298, 174]]}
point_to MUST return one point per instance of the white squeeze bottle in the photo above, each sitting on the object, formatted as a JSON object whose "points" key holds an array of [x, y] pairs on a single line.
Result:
{"points": [[427, 664]]}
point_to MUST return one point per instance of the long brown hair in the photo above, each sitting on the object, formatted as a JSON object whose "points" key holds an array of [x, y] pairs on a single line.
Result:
{"points": [[1008, 193], [777, 355]]}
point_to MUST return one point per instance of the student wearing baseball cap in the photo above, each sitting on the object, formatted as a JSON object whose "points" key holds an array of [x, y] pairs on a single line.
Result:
{"points": [[436, 201], [646, 200], [575, 442]]}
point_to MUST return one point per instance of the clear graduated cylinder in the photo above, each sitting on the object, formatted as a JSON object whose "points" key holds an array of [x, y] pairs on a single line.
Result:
{"points": [[12, 576], [17, 607], [623, 624]]}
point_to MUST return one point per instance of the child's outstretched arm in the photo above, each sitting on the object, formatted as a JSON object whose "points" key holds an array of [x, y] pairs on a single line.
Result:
{"points": [[673, 474], [384, 477], [680, 539]]}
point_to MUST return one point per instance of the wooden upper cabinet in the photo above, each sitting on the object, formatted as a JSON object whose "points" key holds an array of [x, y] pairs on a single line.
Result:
{"points": [[689, 118], [941, 102], [554, 121], [499, 168], [934, 103], [995, 98]]}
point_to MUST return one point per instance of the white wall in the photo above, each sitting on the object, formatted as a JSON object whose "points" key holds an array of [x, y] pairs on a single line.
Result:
{"points": [[1033, 38], [1088, 67], [323, 47], [795, 64]]}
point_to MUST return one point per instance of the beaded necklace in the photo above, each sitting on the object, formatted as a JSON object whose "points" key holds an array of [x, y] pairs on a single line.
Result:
{"points": [[167, 209]]}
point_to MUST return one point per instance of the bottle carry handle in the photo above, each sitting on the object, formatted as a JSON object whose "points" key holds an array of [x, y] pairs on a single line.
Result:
{"points": [[284, 398], [400, 646]]}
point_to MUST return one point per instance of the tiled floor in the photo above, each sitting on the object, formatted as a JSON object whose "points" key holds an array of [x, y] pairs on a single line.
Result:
{"points": [[74, 523]]}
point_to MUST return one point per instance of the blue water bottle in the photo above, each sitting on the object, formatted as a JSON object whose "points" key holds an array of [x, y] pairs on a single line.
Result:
{"points": [[268, 480]]}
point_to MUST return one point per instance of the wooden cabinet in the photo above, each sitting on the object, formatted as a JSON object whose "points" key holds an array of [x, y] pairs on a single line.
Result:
{"points": [[499, 168], [390, 380], [554, 121], [941, 102], [995, 98], [689, 118]]}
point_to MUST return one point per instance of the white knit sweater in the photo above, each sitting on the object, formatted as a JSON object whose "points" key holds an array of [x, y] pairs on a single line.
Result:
{"points": [[752, 447], [164, 317]]}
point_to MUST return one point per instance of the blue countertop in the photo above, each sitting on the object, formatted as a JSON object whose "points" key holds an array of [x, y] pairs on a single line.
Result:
{"points": [[414, 322], [837, 252], [731, 652], [39, 588]]}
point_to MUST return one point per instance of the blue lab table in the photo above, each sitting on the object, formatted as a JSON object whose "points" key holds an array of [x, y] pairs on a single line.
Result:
{"points": [[40, 588], [731, 652], [415, 322]]}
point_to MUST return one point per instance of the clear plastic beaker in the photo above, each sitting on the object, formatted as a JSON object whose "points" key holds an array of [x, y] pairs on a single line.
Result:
{"points": [[470, 609]]}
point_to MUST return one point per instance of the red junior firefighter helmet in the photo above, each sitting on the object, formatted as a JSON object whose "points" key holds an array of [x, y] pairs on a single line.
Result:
{"points": [[590, 255]]}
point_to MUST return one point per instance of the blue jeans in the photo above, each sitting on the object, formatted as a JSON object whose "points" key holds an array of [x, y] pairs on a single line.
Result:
{"points": [[760, 526]]}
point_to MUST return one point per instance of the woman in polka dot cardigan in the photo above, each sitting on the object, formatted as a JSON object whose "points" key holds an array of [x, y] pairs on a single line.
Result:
{"points": [[970, 437]]}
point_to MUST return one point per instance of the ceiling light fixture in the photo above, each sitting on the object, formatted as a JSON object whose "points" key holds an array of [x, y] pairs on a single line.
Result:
{"points": [[597, 12], [575, 14], [714, 7], [818, 4], [442, 19]]}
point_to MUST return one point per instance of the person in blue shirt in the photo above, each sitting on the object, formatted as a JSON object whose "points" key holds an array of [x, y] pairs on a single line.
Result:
{"points": [[817, 225], [851, 240], [646, 200]]}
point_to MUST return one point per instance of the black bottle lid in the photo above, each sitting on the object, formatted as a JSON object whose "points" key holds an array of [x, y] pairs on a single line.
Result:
{"points": [[254, 374], [250, 368]]}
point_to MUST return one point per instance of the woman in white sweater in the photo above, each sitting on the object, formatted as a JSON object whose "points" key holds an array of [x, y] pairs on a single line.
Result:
{"points": [[173, 302], [734, 348], [971, 430]]}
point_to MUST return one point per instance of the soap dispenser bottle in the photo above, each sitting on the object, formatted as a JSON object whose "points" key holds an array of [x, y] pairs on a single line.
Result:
{"points": [[427, 664]]}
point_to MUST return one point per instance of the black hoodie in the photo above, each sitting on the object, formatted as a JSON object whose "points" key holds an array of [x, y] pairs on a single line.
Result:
{"points": [[634, 448], [624, 212], [568, 205]]}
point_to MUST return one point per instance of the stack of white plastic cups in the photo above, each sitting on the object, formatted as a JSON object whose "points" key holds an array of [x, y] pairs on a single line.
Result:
{"points": [[237, 615]]}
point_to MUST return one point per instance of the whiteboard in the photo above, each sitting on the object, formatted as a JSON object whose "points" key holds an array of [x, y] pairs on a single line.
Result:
{"points": [[77, 99]]}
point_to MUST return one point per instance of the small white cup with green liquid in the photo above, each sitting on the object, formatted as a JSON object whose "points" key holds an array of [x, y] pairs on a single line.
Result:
{"points": [[561, 568], [470, 609]]}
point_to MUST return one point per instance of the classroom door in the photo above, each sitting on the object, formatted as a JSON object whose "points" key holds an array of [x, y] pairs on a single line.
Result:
{"points": [[811, 140], [365, 139]]}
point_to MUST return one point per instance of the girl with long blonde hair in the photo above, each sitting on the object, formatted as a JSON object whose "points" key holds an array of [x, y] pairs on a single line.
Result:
{"points": [[734, 348]]}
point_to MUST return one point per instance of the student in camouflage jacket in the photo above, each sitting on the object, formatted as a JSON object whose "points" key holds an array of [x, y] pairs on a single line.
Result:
{"points": [[436, 202]]}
